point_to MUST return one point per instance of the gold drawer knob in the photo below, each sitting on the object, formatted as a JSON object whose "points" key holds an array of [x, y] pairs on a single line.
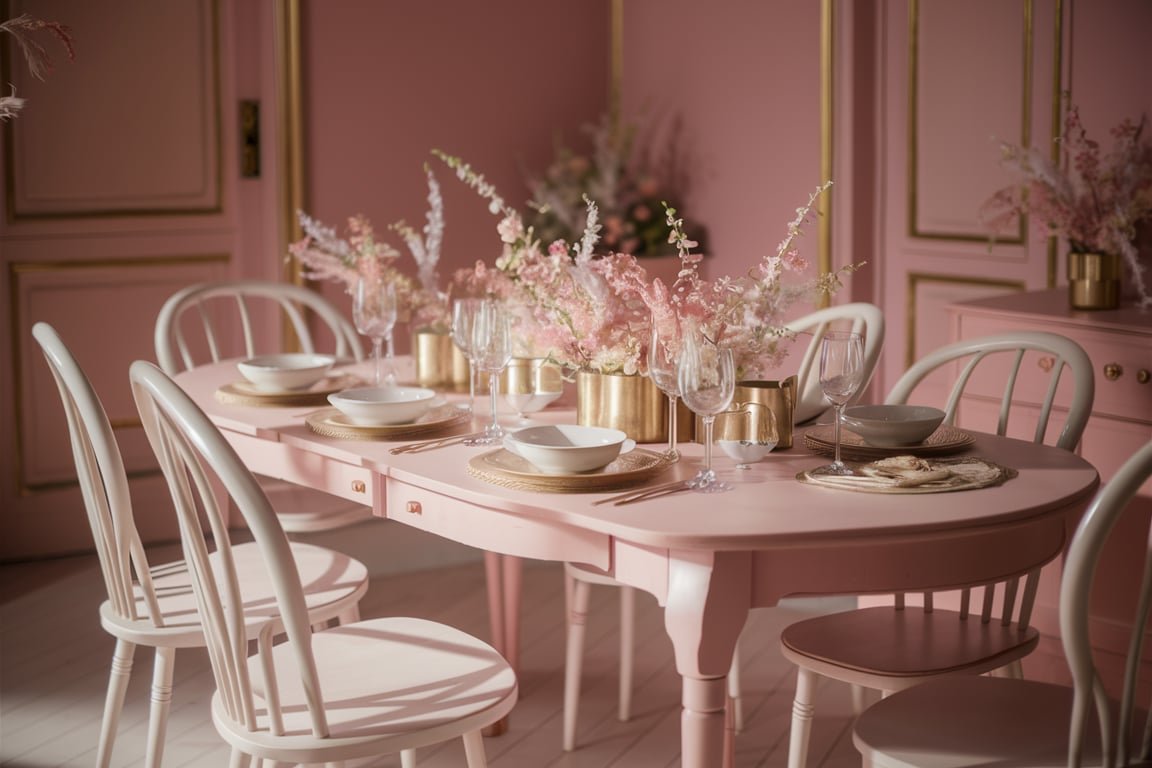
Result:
{"points": [[358, 486], [414, 508], [1143, 376], [1113, 371]]}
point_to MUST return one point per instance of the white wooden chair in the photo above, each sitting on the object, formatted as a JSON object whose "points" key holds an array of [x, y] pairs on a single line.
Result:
{"points": [[210, 322], [893, 647], [340, 694], [153, 605], [960, 721], [860, 317]]}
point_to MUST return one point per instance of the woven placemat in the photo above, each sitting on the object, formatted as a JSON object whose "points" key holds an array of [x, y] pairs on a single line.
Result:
{"points": [[946, 439], [964, 474], [332, 423], [245, 393], [506, 469]]}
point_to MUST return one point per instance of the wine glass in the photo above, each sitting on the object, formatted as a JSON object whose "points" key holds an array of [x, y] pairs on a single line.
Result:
{"points": [[374, 312], [463, 316], [663, 354], [841, 374], [707, 377], [492, 347]]}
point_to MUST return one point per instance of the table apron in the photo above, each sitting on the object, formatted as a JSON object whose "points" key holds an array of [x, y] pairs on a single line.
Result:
{"points": [[305, 468], [491, 529]]}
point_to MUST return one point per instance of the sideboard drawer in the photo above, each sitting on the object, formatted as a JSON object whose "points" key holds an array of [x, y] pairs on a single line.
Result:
{"points": [[492, 529], [1117, 360]]}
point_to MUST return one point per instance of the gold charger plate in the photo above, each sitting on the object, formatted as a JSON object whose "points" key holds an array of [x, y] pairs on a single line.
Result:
{"points": [[501, 467], [245, 393], [967, 474], [332, 423], [946, 439]]}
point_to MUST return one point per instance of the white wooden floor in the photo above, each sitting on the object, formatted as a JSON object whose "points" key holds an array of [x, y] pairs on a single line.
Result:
{"points": [[54, 660]]}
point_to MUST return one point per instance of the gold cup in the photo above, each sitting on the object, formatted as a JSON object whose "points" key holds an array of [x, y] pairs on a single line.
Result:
{"points": [[736, 424]]}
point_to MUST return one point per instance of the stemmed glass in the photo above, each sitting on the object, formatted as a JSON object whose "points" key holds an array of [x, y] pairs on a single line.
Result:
{"points": [[374, 312], [463, 317], [663, 354], [707, 377], [492, 347], [841, 374]]}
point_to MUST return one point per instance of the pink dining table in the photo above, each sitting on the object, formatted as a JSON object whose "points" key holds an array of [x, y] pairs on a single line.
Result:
{"points": [[707, 558]]}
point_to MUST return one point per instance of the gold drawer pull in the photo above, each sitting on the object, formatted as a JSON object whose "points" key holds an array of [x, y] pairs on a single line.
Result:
{"points": [[1113, 371], [1143, 376], [414, 508], [358, 486]]}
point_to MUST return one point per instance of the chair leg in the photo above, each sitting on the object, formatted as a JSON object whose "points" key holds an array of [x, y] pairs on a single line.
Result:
{"points": [[627, 650], [474, 750], [802, 711], [240, 760], [114, 700], [737, 702], [162, 669], [408, 758], [350, 616], [574, 660], [859, 699]]}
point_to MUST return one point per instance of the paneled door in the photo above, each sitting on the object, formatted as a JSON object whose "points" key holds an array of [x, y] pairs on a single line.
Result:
{"points": [[122, 183]]}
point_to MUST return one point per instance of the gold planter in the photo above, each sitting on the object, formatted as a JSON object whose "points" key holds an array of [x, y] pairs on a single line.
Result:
{"points": [[1094, 280], [779, 396], [439, 363], [629, 403]]}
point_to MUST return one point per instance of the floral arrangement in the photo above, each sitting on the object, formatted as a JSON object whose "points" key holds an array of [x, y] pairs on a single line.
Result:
{"points": [[595, 312], [428, 305], [627, 188], [324, 255], [24, 28], [1095, 201]]}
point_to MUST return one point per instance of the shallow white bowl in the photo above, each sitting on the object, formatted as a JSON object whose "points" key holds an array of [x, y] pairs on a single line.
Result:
{"points": [[745, 451], [286, 372], [380, 406], [893, 425], [568, 448]]}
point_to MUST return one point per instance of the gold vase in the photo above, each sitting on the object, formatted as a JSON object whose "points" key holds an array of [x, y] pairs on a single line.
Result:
{"points": [[1093, 280], [633, 404], [779, 396], [439, 363]]}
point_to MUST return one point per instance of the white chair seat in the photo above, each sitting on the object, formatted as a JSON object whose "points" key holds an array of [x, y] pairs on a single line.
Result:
{"points": [[935, 722], [422, 674], [911, 643], [333, 585]]}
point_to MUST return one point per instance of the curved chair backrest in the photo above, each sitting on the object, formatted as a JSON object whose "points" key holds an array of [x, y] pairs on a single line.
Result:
{"points": [[1009, 349], [860, 317], [103, 481], [1075, 594], [223, 308], [193, 456]]}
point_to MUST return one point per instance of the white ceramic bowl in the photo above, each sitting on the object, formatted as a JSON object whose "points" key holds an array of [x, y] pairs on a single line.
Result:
{"points": [[568, 448], [381, 406], [893, 425], [287, 372], [745, 451]]}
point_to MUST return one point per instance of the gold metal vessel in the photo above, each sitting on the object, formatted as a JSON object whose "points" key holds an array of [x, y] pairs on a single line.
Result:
{"points": [[779, 396], [439, 363], [1094, 280], [630, 403]]}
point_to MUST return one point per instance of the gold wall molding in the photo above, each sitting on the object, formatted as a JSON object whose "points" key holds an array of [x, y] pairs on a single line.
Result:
{"points": [[916, 279], [1025, 138], [16, 272]]}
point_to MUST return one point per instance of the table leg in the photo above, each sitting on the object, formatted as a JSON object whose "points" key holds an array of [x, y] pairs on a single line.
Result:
{"points": [[708, 598], [504, 576]]}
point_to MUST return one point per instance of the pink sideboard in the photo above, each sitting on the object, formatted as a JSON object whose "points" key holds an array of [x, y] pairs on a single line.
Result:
{"points": [[1119, 343]]}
